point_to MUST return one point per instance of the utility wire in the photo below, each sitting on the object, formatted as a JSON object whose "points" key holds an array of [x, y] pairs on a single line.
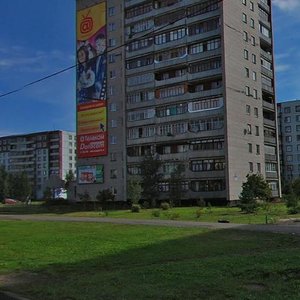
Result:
{"points": [[155, 31]]}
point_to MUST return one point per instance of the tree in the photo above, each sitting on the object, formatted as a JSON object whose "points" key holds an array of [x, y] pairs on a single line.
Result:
{"points": [[18, 186], [134, 190], [255, 188], [104, 196], [150, 178], [85, 198], [47, 194], [3, 183], [176, 192], [68, 179]]}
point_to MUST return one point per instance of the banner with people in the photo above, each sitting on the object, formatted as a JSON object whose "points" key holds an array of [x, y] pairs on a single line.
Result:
{"points": [[91, 82], [90, 174]]}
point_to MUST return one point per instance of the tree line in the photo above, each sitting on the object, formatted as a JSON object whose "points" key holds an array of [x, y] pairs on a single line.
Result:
{"points": [[14, 185]]}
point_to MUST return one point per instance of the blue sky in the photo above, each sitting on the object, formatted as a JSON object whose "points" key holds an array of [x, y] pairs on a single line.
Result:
{"points": [[38, 38]]}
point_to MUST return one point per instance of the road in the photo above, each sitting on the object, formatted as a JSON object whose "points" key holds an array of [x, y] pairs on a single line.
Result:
{"points": [[293, 228]]}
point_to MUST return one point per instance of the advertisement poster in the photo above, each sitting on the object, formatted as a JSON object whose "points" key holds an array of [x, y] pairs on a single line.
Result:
{"points": [[90, 174], [91, 82]]}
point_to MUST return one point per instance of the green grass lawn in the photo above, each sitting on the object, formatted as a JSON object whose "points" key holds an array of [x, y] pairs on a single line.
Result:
{"points": [[232, 214], [47, 260]]}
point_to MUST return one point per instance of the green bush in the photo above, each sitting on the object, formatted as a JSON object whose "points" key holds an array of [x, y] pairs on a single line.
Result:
{"points": [[135, 208], [198, 213], [201, 202], [292, 203], [165, 206], [146, 204], [174, 216], [155, 213]]}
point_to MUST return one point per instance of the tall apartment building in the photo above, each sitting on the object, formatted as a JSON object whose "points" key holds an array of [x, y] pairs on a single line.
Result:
{"points": [[192, 81], [289, 131], [40, 155]]}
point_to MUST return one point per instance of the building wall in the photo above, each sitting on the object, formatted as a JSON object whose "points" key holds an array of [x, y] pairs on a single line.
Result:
{"points": [[289, 130], [187, 92], [114, 162], [39, 155]]}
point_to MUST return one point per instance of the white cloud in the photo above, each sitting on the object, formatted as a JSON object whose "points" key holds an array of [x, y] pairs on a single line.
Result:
{"points": [[282, 67], [287, 5]]}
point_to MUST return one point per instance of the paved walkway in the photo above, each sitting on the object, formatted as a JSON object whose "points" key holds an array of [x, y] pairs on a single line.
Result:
{"points": [[288, 229]]}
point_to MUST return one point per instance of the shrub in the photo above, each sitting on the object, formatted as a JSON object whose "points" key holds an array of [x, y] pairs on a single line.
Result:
{"points": [[201, 202], [165, 206], [292, 203], [174, 216], [198, 213], [155, 213], [135, 208], [146, 204]]}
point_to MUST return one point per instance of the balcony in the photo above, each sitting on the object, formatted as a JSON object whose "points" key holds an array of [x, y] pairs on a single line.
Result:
{"points": [[265, 6], [269, 122], [266, 55], [267, 88], [266, 39], [129, 3], [270, 140], [269, 106], [267, 72]]}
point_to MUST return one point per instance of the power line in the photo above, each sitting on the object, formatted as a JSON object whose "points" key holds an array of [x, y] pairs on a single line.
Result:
{"points": [[155, 31]]}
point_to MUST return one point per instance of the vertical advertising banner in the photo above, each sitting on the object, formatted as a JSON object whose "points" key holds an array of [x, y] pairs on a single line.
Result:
{"points": [[91, 82]]}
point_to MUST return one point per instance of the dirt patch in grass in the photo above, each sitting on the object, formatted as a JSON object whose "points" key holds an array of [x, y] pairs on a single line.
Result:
{"points": [[257, 287], [21, 278]]}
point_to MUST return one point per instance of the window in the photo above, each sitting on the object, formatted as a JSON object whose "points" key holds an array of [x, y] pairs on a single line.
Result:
{"points": [[112, 42], [287, 110], [252, 23], [113, 156], [257, 149], [254, 93], [254, 58], [254, 75], [246, 54], [112, 107], [113, 123], [288, 139], [245, 36], [257, 130], [113, 173], [111, 58], [298, 118], [248, 109], [111, 11], [297, 127], [111, 26], [112, 74], [244, 2], [250, 148], [297, 108], [247, 72], [247, 91], [249, 129], [256, 112], [244, 18], [251, 6], [289, 158], [288, 128], [251, 167], [258, 167], [253, 40], [289, 148], [113, 140], [287, 119]]}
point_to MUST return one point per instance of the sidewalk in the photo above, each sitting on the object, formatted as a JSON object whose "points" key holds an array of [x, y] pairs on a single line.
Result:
{"points": [[287, 229]]}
